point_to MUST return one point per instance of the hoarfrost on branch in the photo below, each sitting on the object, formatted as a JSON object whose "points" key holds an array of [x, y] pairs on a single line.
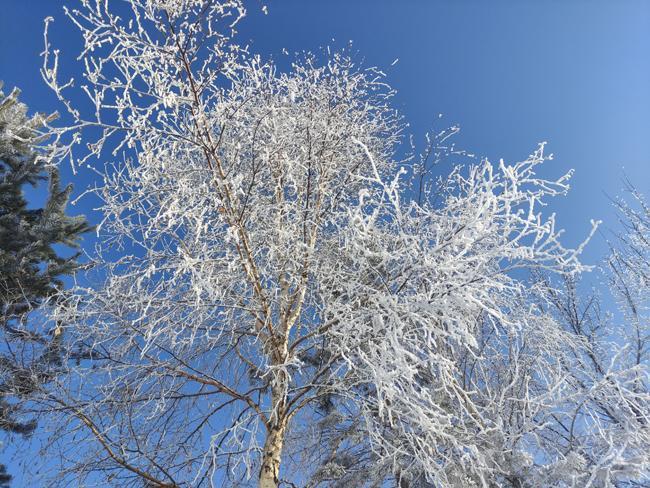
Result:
{"points": [[274, 290]]}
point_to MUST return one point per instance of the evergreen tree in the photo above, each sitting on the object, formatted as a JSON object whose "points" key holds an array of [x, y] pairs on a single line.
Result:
{"points": [[30, 266]]}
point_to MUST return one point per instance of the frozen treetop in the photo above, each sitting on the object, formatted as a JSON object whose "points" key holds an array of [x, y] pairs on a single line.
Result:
{"points": [[275, 286]]}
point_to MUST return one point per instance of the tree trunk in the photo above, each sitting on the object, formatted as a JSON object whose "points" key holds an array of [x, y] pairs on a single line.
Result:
{"points": [[270, 470], [277, 425]]}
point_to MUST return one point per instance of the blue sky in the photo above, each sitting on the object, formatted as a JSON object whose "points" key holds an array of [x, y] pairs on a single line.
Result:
{"points": [[512, 73]]}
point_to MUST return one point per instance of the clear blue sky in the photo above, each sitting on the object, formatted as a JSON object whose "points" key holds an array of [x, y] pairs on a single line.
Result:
{"points": [[512, 73]]}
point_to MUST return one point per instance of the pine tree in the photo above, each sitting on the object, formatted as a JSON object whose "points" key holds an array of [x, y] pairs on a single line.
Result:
{"points": [[30, 266]]}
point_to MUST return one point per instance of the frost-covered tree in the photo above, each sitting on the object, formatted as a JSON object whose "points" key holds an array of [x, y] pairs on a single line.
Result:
{"points": [[31, 268], [278, 300], [609, 426], [629, 271]]}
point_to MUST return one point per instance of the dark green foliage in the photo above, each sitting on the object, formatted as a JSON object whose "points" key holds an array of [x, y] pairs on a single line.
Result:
{"points": [[31, 269], [5, 478]]}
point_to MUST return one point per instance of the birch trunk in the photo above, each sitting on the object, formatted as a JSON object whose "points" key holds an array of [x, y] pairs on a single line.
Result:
{"points": [[271, 457], [270, 470]]}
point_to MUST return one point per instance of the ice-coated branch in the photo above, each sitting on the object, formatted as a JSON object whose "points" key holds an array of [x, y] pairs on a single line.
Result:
{"points": [[278, 299]]}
